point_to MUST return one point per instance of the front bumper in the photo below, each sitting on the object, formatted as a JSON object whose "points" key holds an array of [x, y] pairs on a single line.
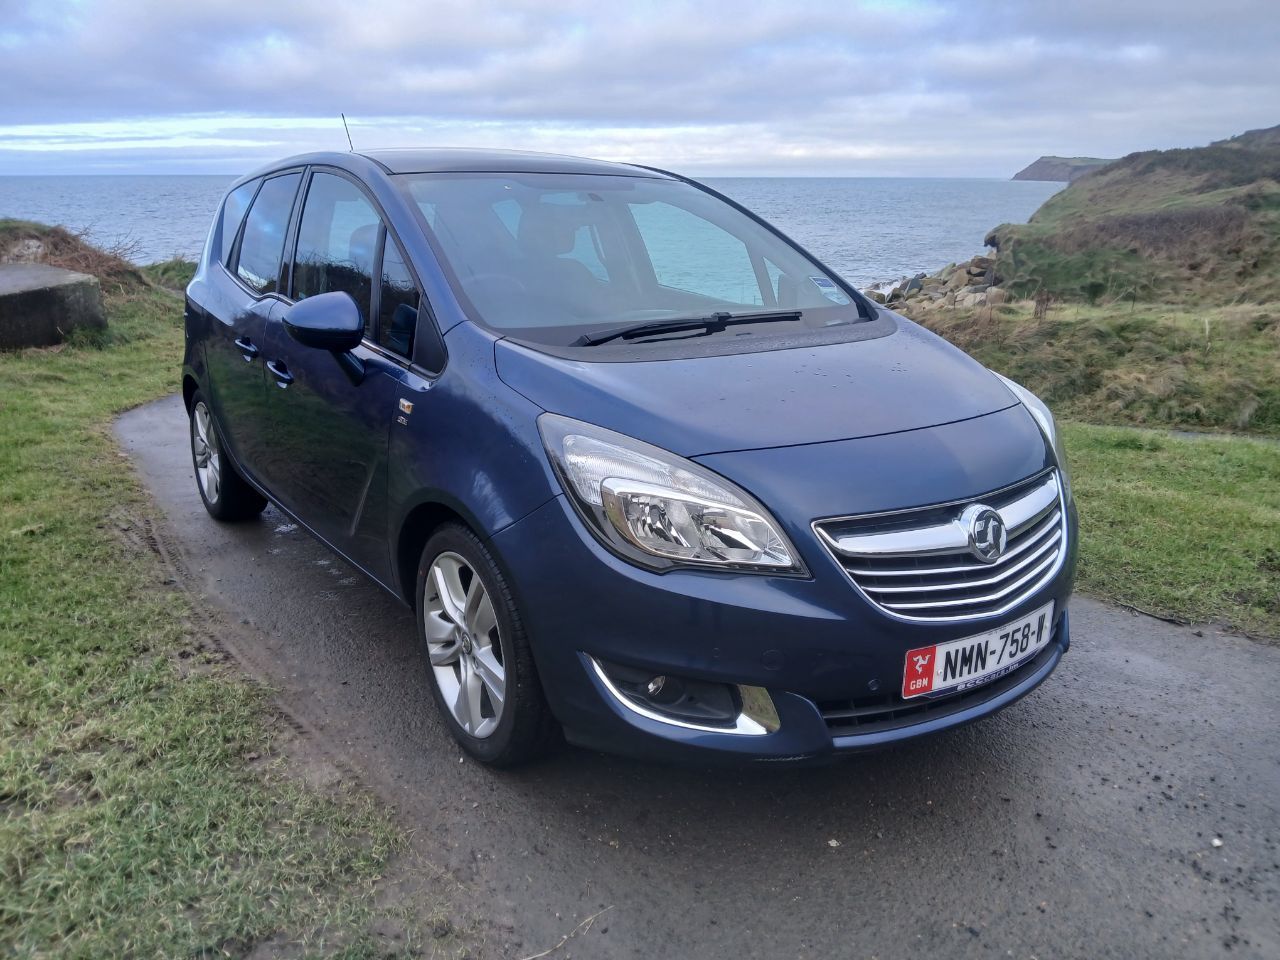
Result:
{"points": [[807, 641]]}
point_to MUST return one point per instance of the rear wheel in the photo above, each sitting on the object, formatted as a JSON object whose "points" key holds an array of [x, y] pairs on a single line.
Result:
{"points": [[226, 494], [478, 657]]}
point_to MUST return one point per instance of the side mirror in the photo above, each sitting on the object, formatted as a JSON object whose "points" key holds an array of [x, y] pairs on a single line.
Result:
{"points": [[327, 321]]}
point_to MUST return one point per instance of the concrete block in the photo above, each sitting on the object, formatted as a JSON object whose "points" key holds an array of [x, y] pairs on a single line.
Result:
{"points": [[40, 304]]}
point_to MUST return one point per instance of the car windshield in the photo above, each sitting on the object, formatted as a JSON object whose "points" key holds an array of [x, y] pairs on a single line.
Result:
{"points": [[551, 257]]}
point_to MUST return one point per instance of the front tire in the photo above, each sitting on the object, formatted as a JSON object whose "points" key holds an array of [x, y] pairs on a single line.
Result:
{"points": [[478, 658], [226, 495]]}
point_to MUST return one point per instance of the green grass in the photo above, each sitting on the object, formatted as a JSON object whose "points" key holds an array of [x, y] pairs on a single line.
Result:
{"points": [[1186, 528], [1212, 368], [145, 807], [172, 274]]}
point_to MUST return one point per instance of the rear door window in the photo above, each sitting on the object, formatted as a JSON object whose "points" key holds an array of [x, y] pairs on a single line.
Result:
{"points": [[337, 243], [262, 246]]}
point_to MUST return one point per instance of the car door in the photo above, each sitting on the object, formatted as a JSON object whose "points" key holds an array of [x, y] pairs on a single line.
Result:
{"points": [[329, 450], [247, 297]]}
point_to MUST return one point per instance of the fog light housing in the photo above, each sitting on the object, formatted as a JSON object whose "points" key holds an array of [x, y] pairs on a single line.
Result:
{"points": [[688, 702]]}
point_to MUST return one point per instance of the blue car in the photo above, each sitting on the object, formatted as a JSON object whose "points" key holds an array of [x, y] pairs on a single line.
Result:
{"points": [[651, 477]]}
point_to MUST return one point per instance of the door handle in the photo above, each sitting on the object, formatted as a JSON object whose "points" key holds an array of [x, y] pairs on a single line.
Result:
{"points": [[247, 348], [281, 373]]}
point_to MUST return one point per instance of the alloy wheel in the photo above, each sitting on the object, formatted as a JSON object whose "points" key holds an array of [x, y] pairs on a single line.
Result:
{"points": [[208, 459], [463, 644]]}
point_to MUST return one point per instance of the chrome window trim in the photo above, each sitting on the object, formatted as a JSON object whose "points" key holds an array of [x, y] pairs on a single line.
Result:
{"points": [[830, 544]]}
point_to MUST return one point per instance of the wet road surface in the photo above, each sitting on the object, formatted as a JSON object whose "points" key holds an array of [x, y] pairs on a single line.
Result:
{"points": [[1082, 822]]}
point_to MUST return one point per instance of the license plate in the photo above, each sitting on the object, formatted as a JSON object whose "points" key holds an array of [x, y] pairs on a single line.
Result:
{"points": [[960, 664]]}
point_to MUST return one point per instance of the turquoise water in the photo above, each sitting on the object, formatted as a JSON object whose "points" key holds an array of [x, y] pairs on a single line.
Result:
{"points": [[868, 229]]}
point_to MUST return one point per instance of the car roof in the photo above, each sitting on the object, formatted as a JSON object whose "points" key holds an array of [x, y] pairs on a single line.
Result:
{"points": [[459, 160], [470, 160]]}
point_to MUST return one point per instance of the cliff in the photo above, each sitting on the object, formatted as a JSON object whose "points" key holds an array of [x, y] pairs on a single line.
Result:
{"points": [[1060, 169]]}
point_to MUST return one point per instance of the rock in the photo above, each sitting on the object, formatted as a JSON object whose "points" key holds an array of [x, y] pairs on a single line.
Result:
{"points": [[875, 295], [40, 304], [997, 296], [975, 288], [913, 284]]}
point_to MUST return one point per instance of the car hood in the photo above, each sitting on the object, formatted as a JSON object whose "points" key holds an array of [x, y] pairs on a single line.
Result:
{"points": [[908, 380]]}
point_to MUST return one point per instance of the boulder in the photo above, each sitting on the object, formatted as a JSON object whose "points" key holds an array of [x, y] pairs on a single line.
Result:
{"points": [[40, 304], [875, 295], [997, 296]]}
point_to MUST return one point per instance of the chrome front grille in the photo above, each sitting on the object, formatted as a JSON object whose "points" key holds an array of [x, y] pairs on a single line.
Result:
{"points": [[917, 564]]}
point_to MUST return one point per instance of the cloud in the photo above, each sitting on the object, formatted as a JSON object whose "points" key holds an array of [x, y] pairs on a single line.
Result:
{"points": [[873, 87]]}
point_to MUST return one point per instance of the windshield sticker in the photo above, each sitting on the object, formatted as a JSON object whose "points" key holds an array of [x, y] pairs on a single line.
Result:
{"points": [[830, 290]]}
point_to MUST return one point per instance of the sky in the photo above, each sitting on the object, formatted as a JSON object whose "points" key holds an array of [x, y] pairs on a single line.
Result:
{"points": [[802, 88]]}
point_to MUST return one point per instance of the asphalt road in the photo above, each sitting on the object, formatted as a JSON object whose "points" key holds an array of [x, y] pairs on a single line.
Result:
{"points": [[1082, 822]]}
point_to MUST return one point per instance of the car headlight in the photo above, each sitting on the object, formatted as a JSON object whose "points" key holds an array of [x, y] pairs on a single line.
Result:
{"points": [[1036, 407], [659, 510]]}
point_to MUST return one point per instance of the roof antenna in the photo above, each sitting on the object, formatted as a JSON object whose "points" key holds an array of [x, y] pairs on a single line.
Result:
{"points": [[348, 129]]}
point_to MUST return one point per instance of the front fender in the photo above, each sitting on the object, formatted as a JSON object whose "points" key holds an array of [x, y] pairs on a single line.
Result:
{"points": [[470, 445]]}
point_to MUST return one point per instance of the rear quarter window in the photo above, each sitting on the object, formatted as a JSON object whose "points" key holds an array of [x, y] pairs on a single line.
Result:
{"points": [[229, 220]]}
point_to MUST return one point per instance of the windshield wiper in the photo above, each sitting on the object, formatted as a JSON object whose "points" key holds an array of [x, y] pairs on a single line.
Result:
{"points": [[713, 323]]}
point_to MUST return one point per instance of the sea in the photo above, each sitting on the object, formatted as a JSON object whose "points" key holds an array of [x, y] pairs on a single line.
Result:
{"points": [[871, 230]]}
